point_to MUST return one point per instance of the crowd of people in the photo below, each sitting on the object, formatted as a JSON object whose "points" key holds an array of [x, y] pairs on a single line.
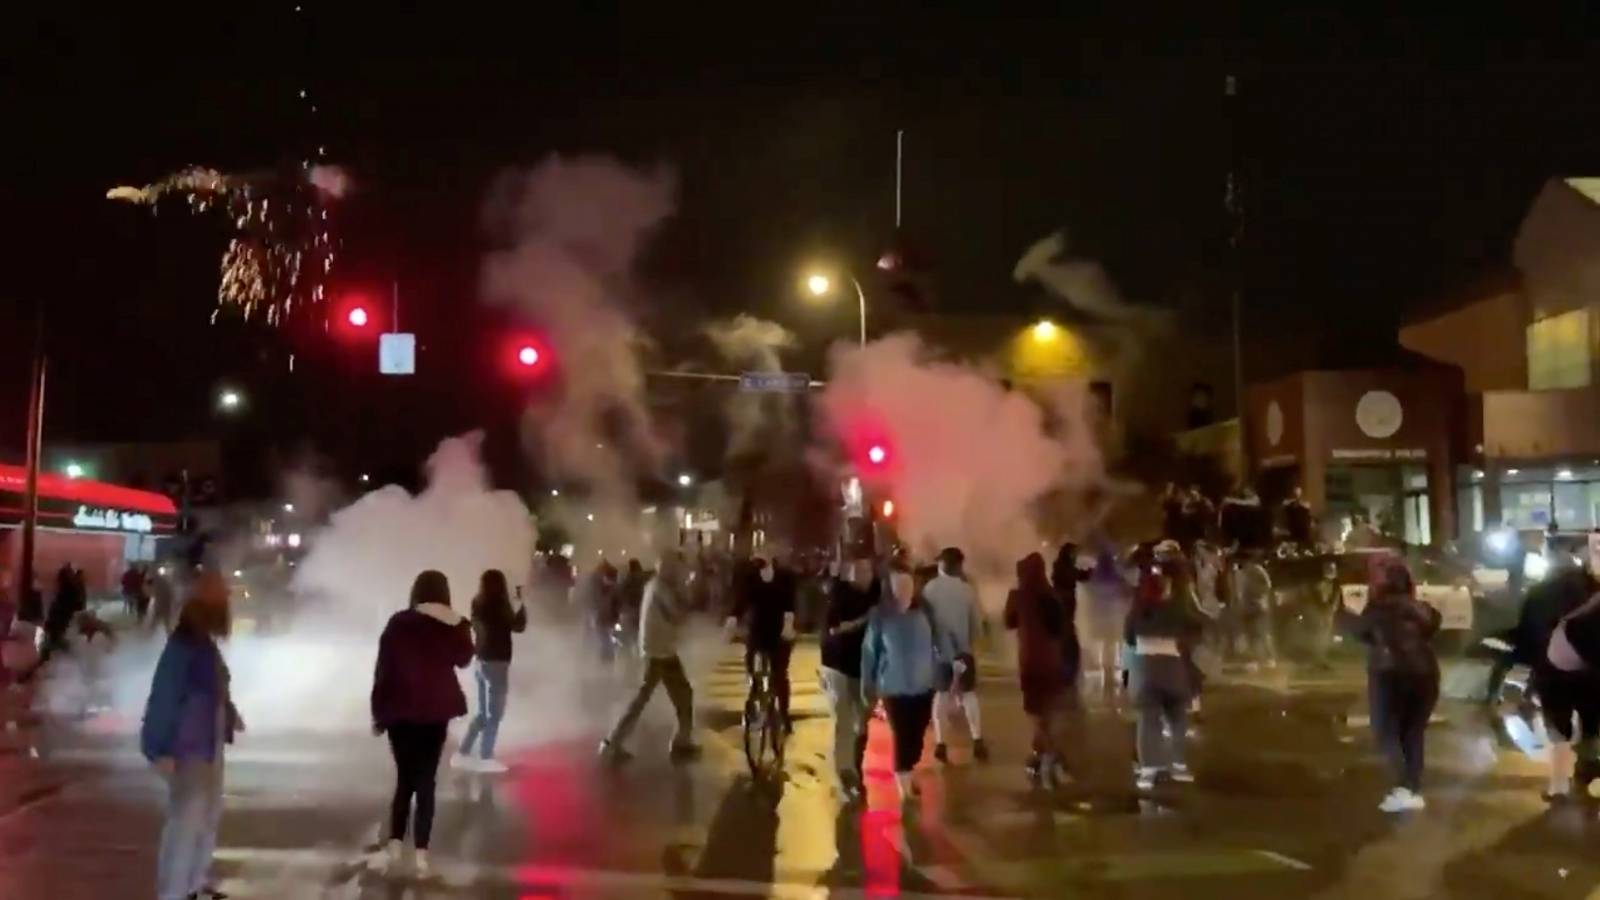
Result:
{"points": [[897, 637]]}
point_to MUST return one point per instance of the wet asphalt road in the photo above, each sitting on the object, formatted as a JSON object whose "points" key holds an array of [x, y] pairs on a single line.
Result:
{"points": [[1284, 806]]}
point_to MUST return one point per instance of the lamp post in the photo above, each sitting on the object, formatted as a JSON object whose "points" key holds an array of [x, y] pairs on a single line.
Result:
{"points": [[821, 285]]}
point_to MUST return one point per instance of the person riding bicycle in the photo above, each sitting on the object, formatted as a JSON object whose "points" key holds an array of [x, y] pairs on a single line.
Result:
{"points": [[766, 606]]}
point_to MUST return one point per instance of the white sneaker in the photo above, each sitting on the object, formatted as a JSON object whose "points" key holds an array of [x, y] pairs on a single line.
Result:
{"points": [[1402, 800], [1146, 780], [393, 856], [1181, 774], [491, 766], [421, 867], [464, 762]]}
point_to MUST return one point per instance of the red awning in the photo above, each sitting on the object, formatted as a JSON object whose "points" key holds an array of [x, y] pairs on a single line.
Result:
{"points": [[14, 480]]}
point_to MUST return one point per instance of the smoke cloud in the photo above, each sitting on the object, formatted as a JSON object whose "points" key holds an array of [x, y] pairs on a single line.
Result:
{"points": [[969, 460], [755, 419], [568, 236], [1083, 283]]}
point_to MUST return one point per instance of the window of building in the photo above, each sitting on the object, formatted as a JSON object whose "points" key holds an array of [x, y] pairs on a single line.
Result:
{"points": [[1560, 351], [1569, 496]]}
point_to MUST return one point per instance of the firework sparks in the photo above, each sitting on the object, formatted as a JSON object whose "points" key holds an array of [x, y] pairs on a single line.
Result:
{"points": [[282, 249]]}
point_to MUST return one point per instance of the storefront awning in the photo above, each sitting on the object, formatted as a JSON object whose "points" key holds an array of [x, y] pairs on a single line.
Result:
{"points": [[85, 504]]}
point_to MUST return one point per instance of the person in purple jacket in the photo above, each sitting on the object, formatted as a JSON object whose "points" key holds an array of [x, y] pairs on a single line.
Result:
{"points": [[415, 694], [187, 721]]}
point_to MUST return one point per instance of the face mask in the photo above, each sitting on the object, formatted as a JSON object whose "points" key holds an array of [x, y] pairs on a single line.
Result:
{"points": [[767, 574], [903, 587]]}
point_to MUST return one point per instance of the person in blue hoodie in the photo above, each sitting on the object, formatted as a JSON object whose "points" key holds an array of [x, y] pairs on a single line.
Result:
{"points": [[188, 720], [899, 658]]}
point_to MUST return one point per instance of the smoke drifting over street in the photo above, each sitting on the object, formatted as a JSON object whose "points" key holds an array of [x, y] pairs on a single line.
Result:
{"points": [[755, 419], [569, 233], [969, 459]]}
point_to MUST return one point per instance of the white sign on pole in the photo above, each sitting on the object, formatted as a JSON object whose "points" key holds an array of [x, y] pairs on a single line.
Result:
{"points": [[397, 353]]}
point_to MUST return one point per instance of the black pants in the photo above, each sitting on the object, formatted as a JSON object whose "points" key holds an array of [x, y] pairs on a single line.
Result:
{"points": [[778, 653], [1563, 695], [1401, 703], [908, 721], [416, 748]]}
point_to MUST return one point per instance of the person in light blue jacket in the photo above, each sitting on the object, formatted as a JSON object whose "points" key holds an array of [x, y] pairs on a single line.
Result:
{"points": [[187, 721], [899, 658]]}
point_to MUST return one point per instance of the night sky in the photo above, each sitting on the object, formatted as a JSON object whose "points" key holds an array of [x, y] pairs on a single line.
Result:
{"points": [[1385, 167]]}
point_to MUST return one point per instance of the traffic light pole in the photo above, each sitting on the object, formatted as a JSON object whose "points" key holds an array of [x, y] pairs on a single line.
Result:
{"points": [[35, 438]]}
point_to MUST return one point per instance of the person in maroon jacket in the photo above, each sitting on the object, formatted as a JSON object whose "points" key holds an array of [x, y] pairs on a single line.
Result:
{"points": [[414, 696]]}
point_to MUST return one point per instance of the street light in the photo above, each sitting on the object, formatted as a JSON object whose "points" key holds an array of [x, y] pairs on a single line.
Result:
{"points": [[685, 480], [1045, 331], [820, 285], [230, 400], [74, 470]]}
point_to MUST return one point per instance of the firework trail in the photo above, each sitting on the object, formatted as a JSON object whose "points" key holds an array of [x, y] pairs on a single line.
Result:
{"points": [[282, 247]]}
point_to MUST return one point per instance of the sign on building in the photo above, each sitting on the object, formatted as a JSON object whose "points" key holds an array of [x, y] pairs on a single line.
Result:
{"points": [[775, 382]]}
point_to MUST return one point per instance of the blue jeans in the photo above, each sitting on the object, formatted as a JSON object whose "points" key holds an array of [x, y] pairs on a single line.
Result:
{"points": [[194, 813], [492, 678]]}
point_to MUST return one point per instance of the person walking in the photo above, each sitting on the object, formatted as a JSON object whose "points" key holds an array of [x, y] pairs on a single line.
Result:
{"points": [[954, 605], [1046, 662], [898, 659], [852, 596], [414, 696], [660, 622], [495, 618], [1402, 675], [1104, 614], [188, 719], [1158, 628], [71, 598]]}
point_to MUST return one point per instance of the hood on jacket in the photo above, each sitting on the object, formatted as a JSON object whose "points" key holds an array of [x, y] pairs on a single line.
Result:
{"points": [[440, 613]]}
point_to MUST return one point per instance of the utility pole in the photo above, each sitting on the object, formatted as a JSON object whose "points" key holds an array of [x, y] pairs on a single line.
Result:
{"points": [[35, 438], [1233, 206]]}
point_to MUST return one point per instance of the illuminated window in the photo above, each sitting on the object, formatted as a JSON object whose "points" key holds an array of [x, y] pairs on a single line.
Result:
{"points": [[1560, 352]]}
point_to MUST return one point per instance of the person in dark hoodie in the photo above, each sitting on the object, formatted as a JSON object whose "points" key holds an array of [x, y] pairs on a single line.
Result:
{"points": [[495, 617], [855, 592], [414, 696], [188, 719], [1402, 675], [1046, 668]]}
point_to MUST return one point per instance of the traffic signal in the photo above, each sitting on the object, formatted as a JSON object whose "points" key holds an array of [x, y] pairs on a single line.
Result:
{"points": [[877, 454], [528, 356], [887, 509], [357, 317]]}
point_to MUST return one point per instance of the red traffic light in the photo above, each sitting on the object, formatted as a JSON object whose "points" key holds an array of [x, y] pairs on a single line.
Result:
{"points": [[877, 454], [528, 355], [888, 509], [357, 317]]}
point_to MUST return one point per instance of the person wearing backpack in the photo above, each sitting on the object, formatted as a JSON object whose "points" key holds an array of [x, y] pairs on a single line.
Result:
{"points": [[1402, 676]]}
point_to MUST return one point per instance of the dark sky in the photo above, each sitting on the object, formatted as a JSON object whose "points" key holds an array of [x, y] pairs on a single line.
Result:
{"points": [[1385, 165]]}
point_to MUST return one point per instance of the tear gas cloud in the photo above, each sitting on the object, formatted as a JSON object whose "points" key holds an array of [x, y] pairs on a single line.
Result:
{"points": [[970, 460], [755, 419], [568, 234], [1083, 283]]}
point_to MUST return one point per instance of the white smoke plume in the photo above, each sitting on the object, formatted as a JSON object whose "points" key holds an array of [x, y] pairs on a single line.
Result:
{"points": [[755, 419], [1081, 282], [312, 670], [569, 233], [969, 460]]}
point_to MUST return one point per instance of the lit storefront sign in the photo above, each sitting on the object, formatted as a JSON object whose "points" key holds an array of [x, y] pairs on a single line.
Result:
{"points": [[107, 519], [1377, 454]]}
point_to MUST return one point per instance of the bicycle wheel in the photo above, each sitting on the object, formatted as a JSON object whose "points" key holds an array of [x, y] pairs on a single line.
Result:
{"points": [[775, 731], [755, 744]]}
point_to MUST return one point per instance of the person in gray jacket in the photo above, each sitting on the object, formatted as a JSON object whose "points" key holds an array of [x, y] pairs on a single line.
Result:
{"points": [[661, 621]]}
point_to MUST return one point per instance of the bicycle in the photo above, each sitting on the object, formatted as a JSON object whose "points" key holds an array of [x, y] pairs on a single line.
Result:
{"points": [[763, 723]]}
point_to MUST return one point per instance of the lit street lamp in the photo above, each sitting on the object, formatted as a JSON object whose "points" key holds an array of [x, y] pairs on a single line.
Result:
{"points": [[820, 285], [74, 470], [685, 480], [229, 400], [1045, 331]]}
